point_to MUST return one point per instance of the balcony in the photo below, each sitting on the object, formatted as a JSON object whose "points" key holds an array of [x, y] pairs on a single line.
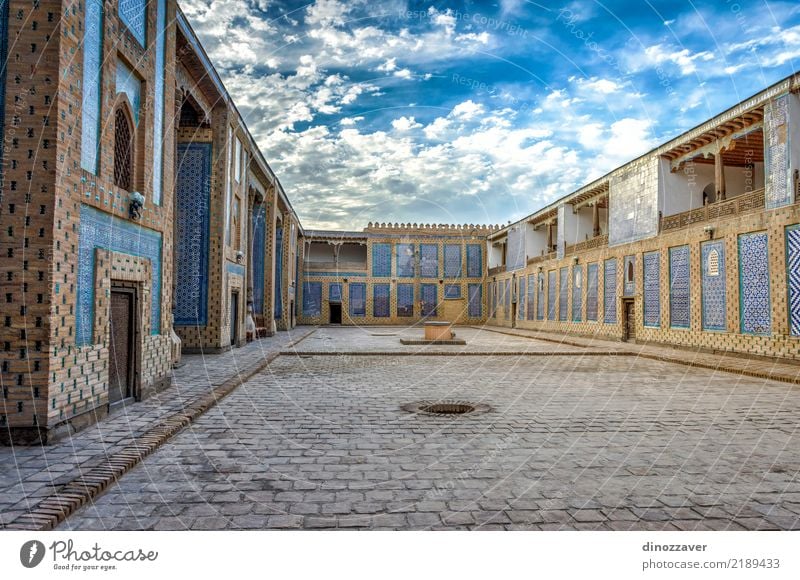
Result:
{"points": [[732, 207], [497, 270], [340, 266], [542, 258]]}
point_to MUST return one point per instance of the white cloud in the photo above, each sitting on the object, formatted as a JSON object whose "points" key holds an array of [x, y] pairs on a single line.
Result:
{"points": [[467, 110], [405, 124]]}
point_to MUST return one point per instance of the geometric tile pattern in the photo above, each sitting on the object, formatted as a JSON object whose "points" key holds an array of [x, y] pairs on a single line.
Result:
{"points": [[452, 290], [278, 272], [793, 271], [133, 14], [652, 289], [452, 261], [92, 74], [540, 297], [756, 317], [475, 293], [381, 260], [610, 292], [158, 100], [192, 192], [531, 295], [259, 239], [474, 261], [358, 299], [507, 299], [591, 292], [776, 149], [405, 260], [629, 285], [101, 230], [129, 83], [428, 261], [335, 292], [577, 293], [679, 289], [312, 298], [429, 298], [563, 287], [551, 295], [381, 300], [712, 255], [405, 300], [515, 248], [521, 299]]}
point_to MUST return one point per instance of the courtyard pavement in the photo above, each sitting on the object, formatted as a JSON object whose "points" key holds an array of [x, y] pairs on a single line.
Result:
{"points": [[29, 474], [578, 437]]}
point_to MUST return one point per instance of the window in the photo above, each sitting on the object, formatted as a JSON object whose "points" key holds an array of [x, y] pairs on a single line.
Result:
{"points": [[123, 150]]}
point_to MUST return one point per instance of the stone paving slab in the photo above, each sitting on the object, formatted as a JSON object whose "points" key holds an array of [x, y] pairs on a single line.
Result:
{"points": [[600, 442], [29, 475], [727, 361]]}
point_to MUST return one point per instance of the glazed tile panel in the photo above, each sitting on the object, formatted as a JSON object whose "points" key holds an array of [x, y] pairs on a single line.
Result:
{"points": [[381, 260], [429, 298], [381, 300], [193, 191], [521, 300], [712, 255], [610, 292], [755, 314], [278, 272], [405, 300], [92, 75], [591, 292], [358, 299], [133, 15], [776, 149], [577, 293], [475, 292], [531, 296], [312, 298], [793, 271], [540, 297], [629, 273], [679, 288], [101, 230], [259, 240], [652, 289], [551, 295], [563, 288], [474, 261], [404, 258], [429, 261], [452, 261], [158, 105]]}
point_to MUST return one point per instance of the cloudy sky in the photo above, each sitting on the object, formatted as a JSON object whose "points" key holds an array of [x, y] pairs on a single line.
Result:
{"points": [[478, 111]]}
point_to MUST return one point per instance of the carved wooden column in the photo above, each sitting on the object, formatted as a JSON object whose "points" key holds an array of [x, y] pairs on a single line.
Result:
{"points": [[719, 175], [595, 219]]}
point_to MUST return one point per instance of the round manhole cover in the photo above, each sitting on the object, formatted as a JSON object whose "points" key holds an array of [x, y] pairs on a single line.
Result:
{"points": [[446, 408]]}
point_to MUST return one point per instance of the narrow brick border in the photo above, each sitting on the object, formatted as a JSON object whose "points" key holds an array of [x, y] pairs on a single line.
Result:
{"points": [[58, 506]]}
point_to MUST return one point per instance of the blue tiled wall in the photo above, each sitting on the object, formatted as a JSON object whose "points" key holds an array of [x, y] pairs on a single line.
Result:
{"points": [[133, 15], [158, 101], [429, 298], [259, 239], [335, 292], [610, 292], [381, 300], [755, 307], [278, 272], [358, 299], [521, 299], [679, 287], [652, 289], [405, 300], [531, 312], [312, 298], [577, 293], [404, 258], [713, 296], [540, 296], [92, 76], [591, 291], [101, 230], [563, 292], [381, 260], [193, 192], [629, 276], [793, 276], [474, 261], [452, 261], [551, 295], [452, 290], [429, 260]]}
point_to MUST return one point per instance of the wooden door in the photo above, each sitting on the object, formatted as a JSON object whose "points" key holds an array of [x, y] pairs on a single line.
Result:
{"points": [[234, 318], [121, 354]]}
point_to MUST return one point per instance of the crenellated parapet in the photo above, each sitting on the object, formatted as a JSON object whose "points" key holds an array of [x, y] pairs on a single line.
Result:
{"points": [[411, 229]]}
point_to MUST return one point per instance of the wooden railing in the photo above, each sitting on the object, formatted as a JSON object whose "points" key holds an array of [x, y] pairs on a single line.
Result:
{"points": [[738, 205], [497, 270], [590, 244]]}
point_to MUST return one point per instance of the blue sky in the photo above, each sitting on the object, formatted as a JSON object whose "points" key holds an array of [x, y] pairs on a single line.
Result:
{"points": [[478, 112]]}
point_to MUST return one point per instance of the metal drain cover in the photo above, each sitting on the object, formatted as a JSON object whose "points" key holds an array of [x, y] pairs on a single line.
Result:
{"points": [[446, 408]]}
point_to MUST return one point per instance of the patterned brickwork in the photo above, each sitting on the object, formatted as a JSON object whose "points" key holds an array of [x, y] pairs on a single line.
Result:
{"points": [[793, 269]]}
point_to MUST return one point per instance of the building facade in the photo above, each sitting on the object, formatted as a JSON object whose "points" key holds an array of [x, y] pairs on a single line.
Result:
{"points": [[130, 190]]}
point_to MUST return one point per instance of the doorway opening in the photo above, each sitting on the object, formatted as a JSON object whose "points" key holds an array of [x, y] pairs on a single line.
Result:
{"points": [[335, 316], [629, 321], [234, 318], [122, 348]]}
